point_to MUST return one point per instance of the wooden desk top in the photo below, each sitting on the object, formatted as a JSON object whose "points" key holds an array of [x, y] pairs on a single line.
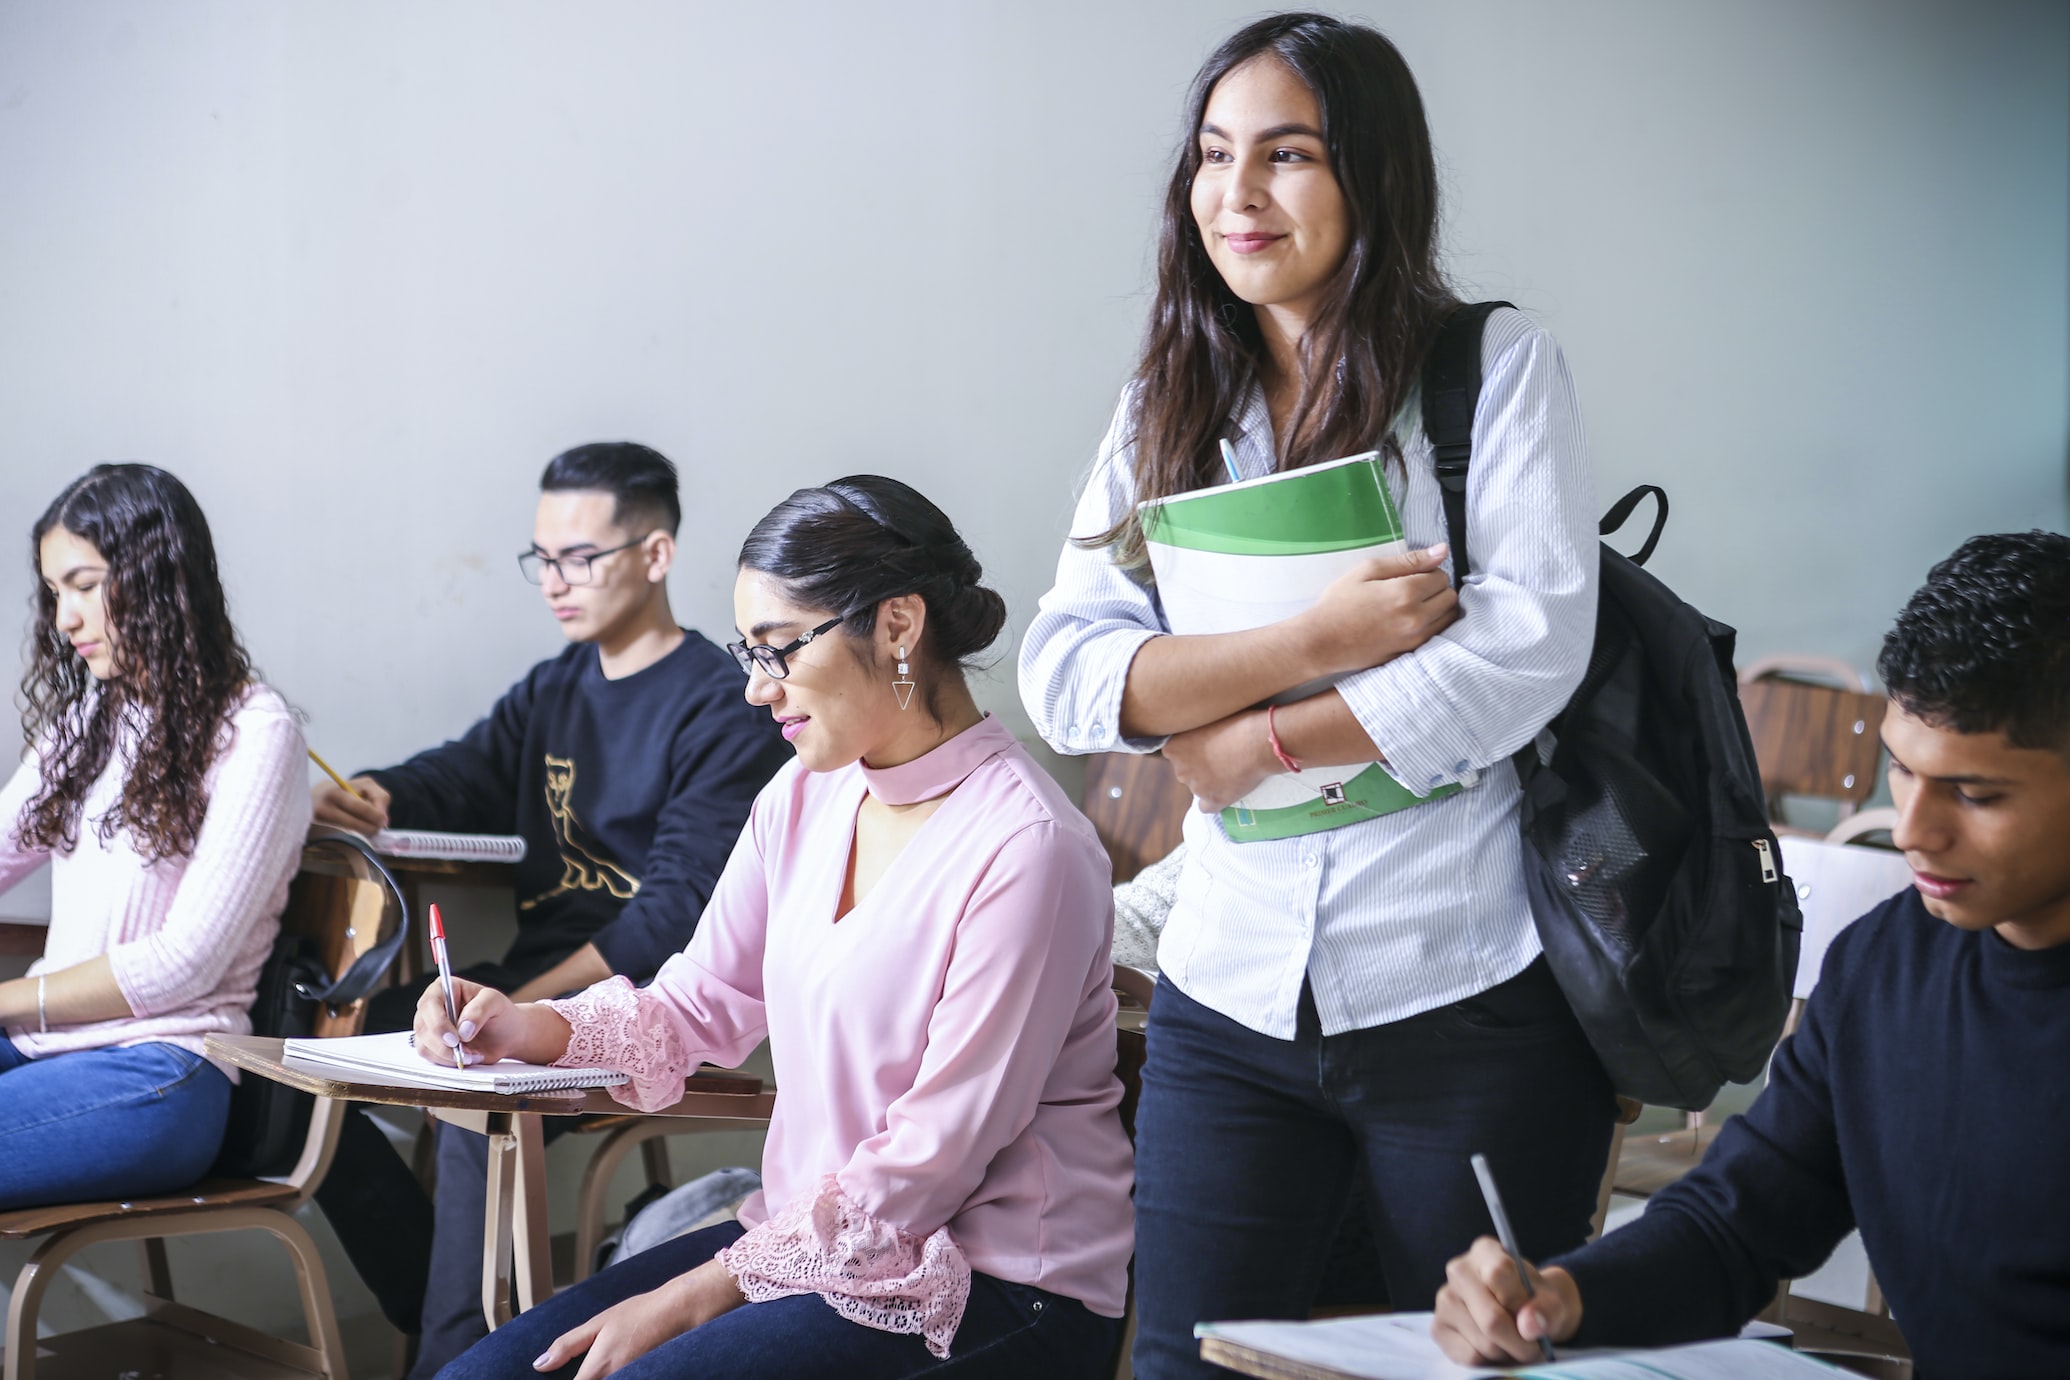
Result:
{"points": [[261, 1054]]}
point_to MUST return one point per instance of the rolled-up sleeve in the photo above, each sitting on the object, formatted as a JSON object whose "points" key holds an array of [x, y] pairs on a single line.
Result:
{"points": [[1478, 691], [1087, 630]]}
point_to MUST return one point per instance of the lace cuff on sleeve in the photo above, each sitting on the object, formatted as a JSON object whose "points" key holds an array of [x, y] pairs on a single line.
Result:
{"points": [[868, 1271], [617, 1026]]}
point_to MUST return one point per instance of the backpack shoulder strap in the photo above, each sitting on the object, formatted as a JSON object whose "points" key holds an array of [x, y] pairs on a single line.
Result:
{"points": [[1451, 391]]}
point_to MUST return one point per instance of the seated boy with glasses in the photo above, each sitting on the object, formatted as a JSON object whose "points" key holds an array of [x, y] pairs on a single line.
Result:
{"points": [[628, 764], [1922, 1099]]}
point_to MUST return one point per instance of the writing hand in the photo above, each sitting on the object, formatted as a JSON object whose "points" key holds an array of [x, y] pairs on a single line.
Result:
{"points": [[491, 1026], [1483, 1316], [343, 810]]}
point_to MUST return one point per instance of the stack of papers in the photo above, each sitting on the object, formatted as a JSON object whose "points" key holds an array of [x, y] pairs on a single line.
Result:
{"points": [[1398, 1346]]}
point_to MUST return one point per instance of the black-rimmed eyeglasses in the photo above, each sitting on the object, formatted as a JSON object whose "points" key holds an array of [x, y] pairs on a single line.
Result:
{"points": [[573, 570], [771, 659]]}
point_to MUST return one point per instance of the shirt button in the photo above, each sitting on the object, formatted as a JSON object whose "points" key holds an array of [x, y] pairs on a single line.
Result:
{"points": [[1437, 780], [1311, 861], [1462, 766]]}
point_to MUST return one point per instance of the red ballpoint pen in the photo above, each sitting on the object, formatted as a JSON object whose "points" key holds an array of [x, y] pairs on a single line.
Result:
{"points": [[445, 979]]}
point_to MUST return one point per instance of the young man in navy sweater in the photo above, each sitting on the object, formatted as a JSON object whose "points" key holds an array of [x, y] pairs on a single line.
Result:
{"points": [[1926, 1096], [628, 764]]}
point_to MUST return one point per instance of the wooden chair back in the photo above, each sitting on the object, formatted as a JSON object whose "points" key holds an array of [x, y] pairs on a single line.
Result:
{"points": [[341, 903], [339, 900], [1137, 805], [1813, 740]]}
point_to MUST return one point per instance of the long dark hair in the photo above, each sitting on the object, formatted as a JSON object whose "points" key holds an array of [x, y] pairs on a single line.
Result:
{"points": [[180, 668], [848, 546], [1362, 355]]}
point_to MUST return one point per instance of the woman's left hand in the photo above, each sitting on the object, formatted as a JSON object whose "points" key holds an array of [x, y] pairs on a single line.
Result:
{"points": [[624, 1332], [1223, 761]]}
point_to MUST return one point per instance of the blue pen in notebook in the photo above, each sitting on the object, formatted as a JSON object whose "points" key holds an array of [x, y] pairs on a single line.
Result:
{"points": [[1507, 1237]]}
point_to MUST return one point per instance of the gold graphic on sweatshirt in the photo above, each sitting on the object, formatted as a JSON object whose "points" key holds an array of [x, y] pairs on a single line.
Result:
{"points": [[581, 868]]}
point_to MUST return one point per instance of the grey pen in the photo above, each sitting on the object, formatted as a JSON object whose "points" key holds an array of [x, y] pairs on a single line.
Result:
{"points": [[1507, 1237]]}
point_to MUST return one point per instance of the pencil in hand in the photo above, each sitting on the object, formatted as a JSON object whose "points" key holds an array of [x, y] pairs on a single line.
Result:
{"points": [[331, 772]]}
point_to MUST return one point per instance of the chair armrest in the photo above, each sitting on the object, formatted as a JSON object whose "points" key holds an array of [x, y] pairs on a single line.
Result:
{"points": [[18, 939]]}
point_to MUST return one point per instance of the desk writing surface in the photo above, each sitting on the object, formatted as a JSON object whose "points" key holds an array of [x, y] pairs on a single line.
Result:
{"points": [[1398, 1346], [262, 1054]]}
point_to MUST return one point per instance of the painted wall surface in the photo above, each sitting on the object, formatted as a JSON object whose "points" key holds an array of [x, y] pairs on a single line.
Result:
{"points": [[355, 271]]}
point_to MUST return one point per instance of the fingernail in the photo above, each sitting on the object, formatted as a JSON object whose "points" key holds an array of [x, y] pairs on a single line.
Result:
{"points": [[451, 1039], [542, 1360], [467, 1030], [1441, 550]]}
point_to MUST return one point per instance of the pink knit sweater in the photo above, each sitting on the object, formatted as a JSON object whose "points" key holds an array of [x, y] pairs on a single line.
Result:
{"points": [[186, 936]]}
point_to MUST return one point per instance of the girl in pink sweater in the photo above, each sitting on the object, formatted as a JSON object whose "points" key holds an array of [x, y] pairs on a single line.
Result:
{"points": [[919, 922], [167, 789]]}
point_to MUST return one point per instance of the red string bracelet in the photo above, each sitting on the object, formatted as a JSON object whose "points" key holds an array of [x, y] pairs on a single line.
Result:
{"points": [[1272, 736]]}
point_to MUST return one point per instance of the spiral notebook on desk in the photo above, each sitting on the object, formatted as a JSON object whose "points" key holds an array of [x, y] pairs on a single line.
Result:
{"points": [[393, 1060], [426, 843]]}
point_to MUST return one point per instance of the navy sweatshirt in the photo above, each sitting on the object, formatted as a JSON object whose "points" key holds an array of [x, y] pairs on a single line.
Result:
{"points": [[629, 793], [1925, 1099]]}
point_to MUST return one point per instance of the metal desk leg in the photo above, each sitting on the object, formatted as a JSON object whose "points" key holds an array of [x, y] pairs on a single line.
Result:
{"points": [[533, 1248], [497, 1223], [515, 1248]]}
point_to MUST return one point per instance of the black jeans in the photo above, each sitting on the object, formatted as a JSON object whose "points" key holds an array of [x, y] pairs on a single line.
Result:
{"points": [[1246, 1147], [1009, 1332]]}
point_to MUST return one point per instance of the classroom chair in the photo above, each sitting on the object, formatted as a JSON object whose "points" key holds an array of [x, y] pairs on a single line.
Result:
{"points": [[339, 900], [619, 1136], [1137, 806], [1809, 739]]}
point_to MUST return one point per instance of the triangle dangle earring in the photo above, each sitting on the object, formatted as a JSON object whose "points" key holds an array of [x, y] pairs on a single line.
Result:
{"points": [[902, 684]]}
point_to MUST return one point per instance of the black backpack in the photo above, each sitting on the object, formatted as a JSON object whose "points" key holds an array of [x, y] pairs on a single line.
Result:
{"points": [[269, 1121], [1655, 882]]}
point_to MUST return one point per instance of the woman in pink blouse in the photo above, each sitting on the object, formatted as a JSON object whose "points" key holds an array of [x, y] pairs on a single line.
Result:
{"points": [[168, 790], [919, 922]]}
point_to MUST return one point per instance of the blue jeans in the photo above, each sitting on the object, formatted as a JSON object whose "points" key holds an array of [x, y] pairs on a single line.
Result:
{"points": [[1247, 1148], [126, 1122], [1009, 1332]]}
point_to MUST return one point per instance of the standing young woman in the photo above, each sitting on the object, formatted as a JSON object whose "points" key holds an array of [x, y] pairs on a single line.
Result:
{"points": [[1367, 1001], [919, 921], [169, 791]]}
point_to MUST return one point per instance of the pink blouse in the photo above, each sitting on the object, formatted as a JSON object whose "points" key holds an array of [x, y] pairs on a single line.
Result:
{"points": [[944, 1053]]}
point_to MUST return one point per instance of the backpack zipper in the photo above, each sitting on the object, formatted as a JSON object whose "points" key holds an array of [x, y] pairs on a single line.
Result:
{"points": [[1767, 860]]}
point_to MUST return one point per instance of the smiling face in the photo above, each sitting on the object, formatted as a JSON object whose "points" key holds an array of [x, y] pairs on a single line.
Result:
{"points": [[1982, 824], [582, 522], [77, 574], [836, 704], [1264, 197]]}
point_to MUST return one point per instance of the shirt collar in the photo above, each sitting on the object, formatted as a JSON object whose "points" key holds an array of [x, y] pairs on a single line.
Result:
{"points": [[941, 770]]}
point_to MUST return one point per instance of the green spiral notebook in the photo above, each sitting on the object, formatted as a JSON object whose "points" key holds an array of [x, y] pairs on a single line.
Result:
{"points": [[1243, 555]]}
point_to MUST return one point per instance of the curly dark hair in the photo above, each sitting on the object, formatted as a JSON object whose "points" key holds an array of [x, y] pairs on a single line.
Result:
{"points": [[179, 667], [1984, 646]]}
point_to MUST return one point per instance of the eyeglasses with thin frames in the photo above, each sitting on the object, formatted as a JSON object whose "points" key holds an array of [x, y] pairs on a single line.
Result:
{"points": [[770, 659], [573, 570]]}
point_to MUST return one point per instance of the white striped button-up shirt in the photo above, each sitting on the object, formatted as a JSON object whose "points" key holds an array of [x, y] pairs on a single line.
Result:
{"points": [[1425, 906]]}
